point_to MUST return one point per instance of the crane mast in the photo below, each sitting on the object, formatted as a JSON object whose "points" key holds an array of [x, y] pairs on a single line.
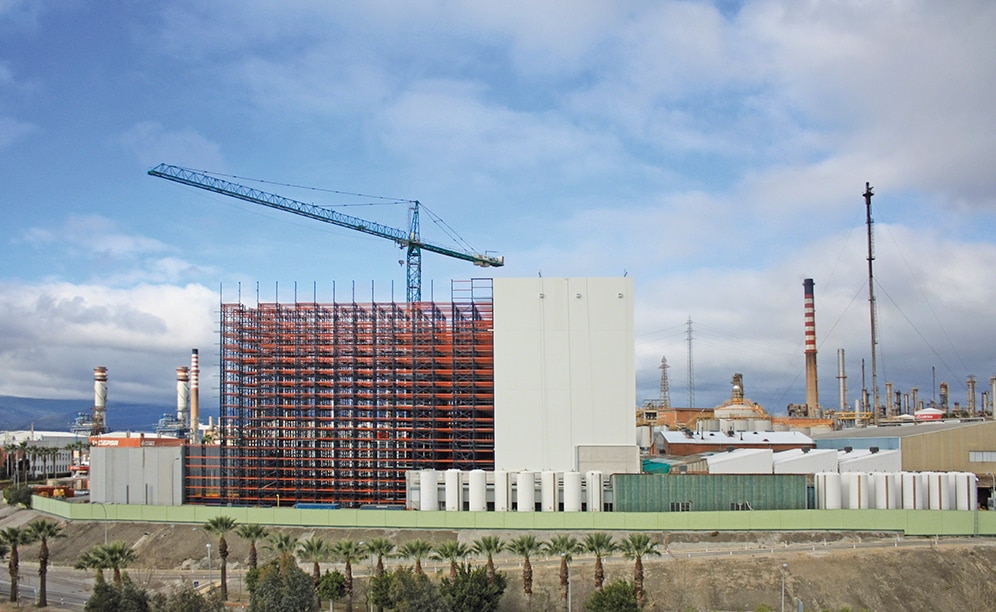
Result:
{"points": [[409, 240]]}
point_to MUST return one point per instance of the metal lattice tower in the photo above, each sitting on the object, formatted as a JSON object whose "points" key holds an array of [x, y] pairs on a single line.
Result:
{"points": [[665, 397]]}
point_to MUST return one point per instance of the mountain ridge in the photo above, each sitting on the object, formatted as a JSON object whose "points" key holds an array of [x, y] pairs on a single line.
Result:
{"points": [[17, 413]]}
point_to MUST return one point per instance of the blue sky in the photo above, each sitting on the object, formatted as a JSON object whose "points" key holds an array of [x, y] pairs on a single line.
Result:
{"points": [[714, 152]]}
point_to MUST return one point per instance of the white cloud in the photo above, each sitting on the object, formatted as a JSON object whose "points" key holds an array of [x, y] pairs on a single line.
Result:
{"points": [[152, 144], [140, 333]]}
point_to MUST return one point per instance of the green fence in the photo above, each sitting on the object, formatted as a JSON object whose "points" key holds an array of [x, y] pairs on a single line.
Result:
{"points": [[909, 522]]}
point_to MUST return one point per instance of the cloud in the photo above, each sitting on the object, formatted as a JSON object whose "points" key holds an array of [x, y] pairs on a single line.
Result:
{"points": [[140, 333], [152, 144], [12, 130], [93, 236]]}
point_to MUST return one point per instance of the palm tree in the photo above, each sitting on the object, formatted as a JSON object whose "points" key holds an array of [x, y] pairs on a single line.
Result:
{"points": [[601, 545], [252, 532], [219, 526], [489, 546], [380, 548], [283, 544], [636, 547], [452, 551], [417, 550], [14, 537], [10, 458], [93, 559], [525, 546], [349, 551], [563, 546], [117, 556], [42, 531], [314, 550]]}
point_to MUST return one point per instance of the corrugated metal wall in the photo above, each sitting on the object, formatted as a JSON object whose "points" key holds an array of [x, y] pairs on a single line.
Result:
{"points": [[697, 493]]}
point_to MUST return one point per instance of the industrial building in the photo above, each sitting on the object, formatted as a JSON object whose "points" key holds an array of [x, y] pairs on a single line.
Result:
{"points": [[334, 403]]}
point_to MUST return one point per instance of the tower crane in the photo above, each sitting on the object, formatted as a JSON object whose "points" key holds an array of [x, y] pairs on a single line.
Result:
{"points": [[409, 240]]}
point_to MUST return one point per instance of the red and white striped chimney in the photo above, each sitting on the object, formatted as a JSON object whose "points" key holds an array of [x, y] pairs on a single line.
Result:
{"points": [[195, 402], [812, 382]]}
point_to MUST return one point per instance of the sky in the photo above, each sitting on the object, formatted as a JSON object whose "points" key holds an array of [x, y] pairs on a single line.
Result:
{"points": [[714, 152]]}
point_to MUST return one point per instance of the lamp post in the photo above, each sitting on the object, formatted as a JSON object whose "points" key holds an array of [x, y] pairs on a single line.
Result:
{"points": [[209, 566], [784, 567], [104, 508]]}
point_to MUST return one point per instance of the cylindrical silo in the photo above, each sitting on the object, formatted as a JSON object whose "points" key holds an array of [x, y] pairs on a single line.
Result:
{"points": [[948, 486], [832, 493], [572, 491], [895, 498], [525, 491], [453, 490], [934, 485], [594, 482], [911, 491], [428, 490], [548, 488], [857, 485], [503, 498], [880, 485], [478, 490], [961, 491]]}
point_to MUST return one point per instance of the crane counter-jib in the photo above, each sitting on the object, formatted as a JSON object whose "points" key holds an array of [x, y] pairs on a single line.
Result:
{"points": [[408, 239]]}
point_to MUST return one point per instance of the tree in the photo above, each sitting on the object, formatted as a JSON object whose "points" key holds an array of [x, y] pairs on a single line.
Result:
{"points": [[332, 585], [185, 598], [601, 545], [283, 587], [525, 546], [283, 544], [253, 533], [93, 559], [14, 537], [18, 495], [452, 551], [348, 552], [473, 590], [489, 546], [219, 526], [563, 546], [406, 591], [314, 550], [416, 550], [124, 598], [380, 548], [42, 531], [619, 596], [636, 547], [117, 556]]}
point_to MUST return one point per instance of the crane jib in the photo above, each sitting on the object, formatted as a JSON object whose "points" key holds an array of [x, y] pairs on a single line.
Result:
{"points": [[409, 239]]}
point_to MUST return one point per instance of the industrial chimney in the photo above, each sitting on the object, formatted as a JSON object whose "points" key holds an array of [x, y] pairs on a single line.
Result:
{"points": [[99, 425], [842, 380], [183, 396], [195, 417], [812, 382]]}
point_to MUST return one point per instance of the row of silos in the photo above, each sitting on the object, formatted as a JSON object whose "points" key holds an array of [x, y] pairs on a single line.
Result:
{"points": [[896, 490], [521, 491]]}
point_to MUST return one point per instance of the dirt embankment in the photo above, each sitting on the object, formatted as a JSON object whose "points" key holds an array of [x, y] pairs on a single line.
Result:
{"points": [[699, 571]]}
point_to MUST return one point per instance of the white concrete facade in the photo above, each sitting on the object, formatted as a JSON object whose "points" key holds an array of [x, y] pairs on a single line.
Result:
{"points": [[565, 373]]}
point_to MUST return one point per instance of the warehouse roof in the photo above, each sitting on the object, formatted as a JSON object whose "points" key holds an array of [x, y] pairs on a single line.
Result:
{"points": [[894, 431]]}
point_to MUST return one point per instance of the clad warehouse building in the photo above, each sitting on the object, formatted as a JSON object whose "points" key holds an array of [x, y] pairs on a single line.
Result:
{"points": [[333, 403]]}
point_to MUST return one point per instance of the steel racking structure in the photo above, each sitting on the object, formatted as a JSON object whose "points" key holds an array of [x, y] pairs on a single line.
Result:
{"points": [[332, 403]]}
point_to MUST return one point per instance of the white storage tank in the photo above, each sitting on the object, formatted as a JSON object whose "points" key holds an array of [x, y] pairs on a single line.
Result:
{"points": [[895, 490], [949, 484], [857, 487], [525, 491], [548, 488], [454, 489], [832, 491], [913, 491], [964, 489], [594, 483], [935, 486], [503, 497], [478, 490], [428, 490], [572, 492]]}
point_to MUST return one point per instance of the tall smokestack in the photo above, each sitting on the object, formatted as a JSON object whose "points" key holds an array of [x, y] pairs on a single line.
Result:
{"points": [[812, 384], [971, 395], [195, 402], [842, 380], [99, 425], [183, 395]]}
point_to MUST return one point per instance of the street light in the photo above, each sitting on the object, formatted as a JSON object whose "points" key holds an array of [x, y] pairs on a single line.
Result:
{"points": [[104, 508], [784, 567], [209, 566]]}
